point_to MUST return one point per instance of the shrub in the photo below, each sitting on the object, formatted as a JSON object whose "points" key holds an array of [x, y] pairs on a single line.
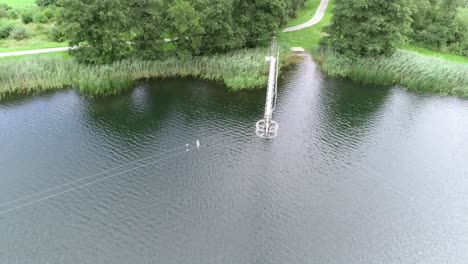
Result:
{"points": [[40, 29], [19, 33], [5, 31], [50, 11], [27, 16], [56, 33], [46, 2], [13, 14], [3, 13], [40, 18], [5, 7]]}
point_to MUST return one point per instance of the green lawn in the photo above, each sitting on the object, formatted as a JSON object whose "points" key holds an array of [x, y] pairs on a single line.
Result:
{"points": [[61, 54], [305, 14], [447, 56], [29, 44], [308, 37], [18, 3]]}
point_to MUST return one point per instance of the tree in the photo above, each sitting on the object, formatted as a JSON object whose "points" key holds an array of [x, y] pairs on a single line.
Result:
{"points": [[149, 31], [259, 19], [109, 30], [183, 30], [368, 27], [221, 32], [101, 29]]}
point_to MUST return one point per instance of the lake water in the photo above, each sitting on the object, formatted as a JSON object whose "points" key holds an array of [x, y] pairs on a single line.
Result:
{"points": [[358, 174]]}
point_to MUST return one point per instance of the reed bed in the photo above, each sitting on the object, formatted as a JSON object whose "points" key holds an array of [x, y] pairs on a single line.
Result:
{"points": [[238, 70], [411, 70]]}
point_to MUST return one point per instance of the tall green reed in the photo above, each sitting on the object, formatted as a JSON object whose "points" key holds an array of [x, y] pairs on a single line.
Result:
{"points": [[238, 70], [409, 69]]}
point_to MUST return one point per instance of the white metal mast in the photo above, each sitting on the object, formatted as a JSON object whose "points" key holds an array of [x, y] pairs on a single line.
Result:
{"points": [[267, 128]]}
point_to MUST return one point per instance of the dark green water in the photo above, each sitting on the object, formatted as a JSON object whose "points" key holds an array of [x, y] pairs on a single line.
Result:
{"points": [[358, 174]]}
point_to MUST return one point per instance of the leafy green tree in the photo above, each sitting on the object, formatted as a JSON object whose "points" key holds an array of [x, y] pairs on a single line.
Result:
{"points": [[259, 19], [108, 30], [184, 30], [221, 32], [149, 31], [101, 29], [368, 27]]}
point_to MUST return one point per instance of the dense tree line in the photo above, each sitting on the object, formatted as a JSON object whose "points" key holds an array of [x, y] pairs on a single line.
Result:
{"points": [[110, 30], [368, 27], [376, 27], [436, 25]]}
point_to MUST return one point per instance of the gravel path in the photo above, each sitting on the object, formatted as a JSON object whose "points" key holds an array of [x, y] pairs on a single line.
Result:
{"points": [[319, 14]]}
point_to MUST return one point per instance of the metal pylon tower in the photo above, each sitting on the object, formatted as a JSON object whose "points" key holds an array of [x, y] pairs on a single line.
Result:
{"points": [[267, 128]]}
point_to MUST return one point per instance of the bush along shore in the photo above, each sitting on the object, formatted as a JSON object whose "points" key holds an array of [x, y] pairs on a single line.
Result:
{"points": [[238, 70], [409, 69]]}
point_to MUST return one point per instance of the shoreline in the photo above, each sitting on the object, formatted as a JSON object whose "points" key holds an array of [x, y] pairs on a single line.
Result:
{"points": [[411, 70], [237, 70]]}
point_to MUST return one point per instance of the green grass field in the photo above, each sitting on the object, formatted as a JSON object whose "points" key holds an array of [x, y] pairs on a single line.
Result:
{"points": [[18, 3], [61, 54], [29, 44]]}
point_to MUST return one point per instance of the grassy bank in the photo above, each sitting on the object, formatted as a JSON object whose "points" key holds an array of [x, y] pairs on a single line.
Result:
{"points": [[409, 69], [60, 54], [29, 44], [243, 69]]}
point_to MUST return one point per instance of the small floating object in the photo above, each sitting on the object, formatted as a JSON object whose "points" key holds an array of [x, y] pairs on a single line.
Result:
{"points": [[198, 144]]}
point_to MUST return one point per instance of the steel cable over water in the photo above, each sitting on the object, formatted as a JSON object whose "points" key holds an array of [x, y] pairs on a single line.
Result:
{"points": [[186, 148], [95, 181], [88, 177]]}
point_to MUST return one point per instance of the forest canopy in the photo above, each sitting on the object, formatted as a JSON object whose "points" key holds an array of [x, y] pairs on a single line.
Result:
{"points": [[111, 30]]}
